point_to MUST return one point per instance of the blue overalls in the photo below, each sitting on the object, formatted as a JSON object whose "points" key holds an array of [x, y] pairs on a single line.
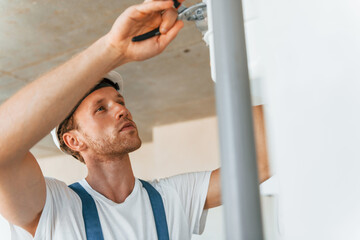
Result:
{"points": [[91, 217]]}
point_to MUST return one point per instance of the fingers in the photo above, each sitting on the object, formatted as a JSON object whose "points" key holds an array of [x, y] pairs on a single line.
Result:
{"points": [[168, 20], [165, 39], [153, 6]]}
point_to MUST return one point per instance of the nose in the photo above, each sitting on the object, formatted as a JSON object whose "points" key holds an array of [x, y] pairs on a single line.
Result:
{"points": [[120, 111]]}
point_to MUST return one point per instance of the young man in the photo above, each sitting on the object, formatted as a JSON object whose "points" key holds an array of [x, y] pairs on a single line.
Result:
{"points": [[110, 203]]}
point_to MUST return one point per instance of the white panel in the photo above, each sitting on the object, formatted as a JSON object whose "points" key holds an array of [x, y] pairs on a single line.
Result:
{"points": [[312, 83], [255, 62]]}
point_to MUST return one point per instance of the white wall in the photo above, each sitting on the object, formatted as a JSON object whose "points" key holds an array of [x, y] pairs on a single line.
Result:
{"points": [[312, 51]]}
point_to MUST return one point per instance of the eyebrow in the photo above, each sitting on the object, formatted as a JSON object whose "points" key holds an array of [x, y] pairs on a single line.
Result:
{"points": [[102, 99], [97, 102]]}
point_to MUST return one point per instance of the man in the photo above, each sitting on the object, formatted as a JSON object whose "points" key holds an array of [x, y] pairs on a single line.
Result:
{"points": [[101, 134]]}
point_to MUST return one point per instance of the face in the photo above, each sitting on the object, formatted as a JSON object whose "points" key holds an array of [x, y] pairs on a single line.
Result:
{"points": [[105, 125]]}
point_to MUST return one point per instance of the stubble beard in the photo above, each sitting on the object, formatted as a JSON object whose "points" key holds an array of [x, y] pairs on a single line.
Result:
{"points": [[115, 144]]}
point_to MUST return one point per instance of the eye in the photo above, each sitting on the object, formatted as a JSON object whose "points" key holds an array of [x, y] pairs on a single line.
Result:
{"points": [[121, 102], [100, 109]]}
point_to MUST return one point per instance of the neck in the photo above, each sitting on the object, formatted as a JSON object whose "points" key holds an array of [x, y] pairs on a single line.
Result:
{"points": [[113, 177]]}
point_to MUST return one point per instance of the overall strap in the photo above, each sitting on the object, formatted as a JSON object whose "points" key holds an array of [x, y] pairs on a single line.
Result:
{"points": [[91, 218], [158, 211]]}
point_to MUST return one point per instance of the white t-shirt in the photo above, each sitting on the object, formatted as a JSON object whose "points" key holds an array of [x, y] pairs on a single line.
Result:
{"points": [[183, 197]]}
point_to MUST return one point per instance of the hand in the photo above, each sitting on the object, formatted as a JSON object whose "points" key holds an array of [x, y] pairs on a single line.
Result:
{"points": [[140, 19]]}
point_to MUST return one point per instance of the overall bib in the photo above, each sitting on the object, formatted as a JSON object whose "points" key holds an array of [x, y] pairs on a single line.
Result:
{"points": [[91, 217]]}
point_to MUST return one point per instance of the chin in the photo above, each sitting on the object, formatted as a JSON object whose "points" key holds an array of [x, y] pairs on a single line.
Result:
{"points": [[134, 145]]}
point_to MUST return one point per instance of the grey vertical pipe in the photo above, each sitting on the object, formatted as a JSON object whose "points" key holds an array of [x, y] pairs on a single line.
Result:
{"points": [[240, 187]]}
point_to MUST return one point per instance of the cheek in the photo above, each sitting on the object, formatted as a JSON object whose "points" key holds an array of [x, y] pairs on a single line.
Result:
{"points": [[101, 131], [92, 130], [95, 124]]}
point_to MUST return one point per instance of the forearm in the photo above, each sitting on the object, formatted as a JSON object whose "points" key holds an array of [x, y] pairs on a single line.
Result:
{"points": [[263, 171], [260, 141], [32, 112], [213, 198]]}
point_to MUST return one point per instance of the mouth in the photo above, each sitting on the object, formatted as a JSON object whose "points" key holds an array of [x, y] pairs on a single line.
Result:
{"points": [[128, 126]]}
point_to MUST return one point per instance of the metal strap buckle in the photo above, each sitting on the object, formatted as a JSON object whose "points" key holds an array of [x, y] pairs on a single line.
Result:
{"points": [[196, 12]]}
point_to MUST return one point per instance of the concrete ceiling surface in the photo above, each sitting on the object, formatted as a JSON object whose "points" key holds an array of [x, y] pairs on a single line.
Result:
{"points": [[36, 36]]}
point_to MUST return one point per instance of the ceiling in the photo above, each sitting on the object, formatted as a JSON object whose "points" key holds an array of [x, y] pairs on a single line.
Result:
{"points": [[36, 36]]}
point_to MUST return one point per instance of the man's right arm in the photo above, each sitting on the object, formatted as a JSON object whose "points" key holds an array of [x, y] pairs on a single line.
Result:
{"points": [[32, 112]]}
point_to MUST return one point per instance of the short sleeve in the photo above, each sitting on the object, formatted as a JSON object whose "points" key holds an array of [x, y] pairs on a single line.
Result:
{"points": [[192, 190], [60, 201], [46, 215]]}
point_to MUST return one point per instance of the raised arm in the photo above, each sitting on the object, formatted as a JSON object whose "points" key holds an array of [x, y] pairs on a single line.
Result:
{"points": [[213, 198], [32, 112]]}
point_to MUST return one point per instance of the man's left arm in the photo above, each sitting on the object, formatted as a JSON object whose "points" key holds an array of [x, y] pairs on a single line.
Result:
{"points": [[213, 198]]}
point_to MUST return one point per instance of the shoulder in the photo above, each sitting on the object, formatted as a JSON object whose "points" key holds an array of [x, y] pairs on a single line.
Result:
{"points": [[180, 179], [59, 193], [62, 208], [56, 186], [183, 183], [62, 204]]}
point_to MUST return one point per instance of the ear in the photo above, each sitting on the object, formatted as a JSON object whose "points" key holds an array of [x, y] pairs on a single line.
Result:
{"points": [[73, 141]]}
